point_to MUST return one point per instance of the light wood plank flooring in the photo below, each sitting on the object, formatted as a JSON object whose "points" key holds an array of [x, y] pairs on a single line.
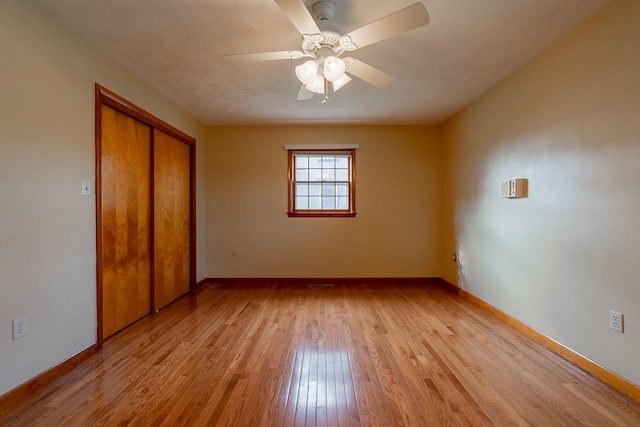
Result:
{"points": [[353, 355]]}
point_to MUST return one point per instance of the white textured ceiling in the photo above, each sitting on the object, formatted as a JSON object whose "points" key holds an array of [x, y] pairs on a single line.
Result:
{"points": [[177, 47]]}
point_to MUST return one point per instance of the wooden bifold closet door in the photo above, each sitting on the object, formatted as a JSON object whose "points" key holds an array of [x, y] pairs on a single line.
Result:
{"points": [[126, 220], [171, 219], [144, 213]]}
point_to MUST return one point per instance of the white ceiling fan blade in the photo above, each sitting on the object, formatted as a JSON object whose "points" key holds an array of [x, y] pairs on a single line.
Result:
{"points": [[299, 16], [264, 56], [304, 94], [398, 22], [369, 74]]}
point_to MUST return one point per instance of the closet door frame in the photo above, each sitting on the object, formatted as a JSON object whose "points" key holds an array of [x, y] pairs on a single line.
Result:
{"points": [[104, 96]]}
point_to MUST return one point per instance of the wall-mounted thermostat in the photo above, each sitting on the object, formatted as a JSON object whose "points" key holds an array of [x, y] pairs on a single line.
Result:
{"points": [[514, 188]]}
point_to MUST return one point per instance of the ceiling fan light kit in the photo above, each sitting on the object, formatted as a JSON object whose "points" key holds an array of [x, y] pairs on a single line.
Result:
{"points": [[314, 73], [307, 71], [317, 85], [338, 83], [324, 41], [334, 68]]}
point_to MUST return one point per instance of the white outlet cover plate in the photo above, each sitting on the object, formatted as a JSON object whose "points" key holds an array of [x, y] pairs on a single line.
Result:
{"points": [[616, 321], [19, 327]]}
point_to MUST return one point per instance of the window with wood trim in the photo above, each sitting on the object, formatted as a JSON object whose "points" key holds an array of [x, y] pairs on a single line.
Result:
{"points": [[322, 183]]}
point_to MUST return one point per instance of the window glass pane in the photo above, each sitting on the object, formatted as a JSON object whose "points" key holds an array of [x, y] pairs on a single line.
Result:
{"points": [[328, 190], [342, 203], [302, 203], [315, 162], [302, 174], [315, 174], [315, 189], [302, 189], [342, 162], [328, 175], [302, 161], [328, 203], [342, 175], [342, 189], [328, 162], [314, 203]]}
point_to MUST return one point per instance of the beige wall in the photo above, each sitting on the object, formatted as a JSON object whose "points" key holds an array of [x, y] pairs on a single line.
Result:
{"points": [[396, 232], [47, 229], [561, 258]]}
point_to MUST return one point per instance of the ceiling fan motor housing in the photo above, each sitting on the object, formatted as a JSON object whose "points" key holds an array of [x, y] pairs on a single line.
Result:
{"points": [[327, 43]]}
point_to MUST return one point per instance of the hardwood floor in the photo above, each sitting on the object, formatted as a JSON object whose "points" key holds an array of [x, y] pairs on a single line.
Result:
{"points": [[353, 355]]}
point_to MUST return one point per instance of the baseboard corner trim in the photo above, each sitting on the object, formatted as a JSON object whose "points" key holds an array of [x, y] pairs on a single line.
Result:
{"points": [[453, 288], [202, 283]]}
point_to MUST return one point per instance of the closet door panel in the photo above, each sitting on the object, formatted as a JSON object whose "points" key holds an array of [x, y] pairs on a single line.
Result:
{"points": [[171, 218], [126, 216]]}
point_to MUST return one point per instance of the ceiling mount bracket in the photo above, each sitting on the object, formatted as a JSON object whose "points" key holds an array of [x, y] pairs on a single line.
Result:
{"points": [[323, 10]]}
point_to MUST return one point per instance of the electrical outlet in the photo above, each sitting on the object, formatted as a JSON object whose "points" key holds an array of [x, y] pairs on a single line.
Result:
{"points": [[616, 321], [294, 256], [234, 254], [19, 327]]}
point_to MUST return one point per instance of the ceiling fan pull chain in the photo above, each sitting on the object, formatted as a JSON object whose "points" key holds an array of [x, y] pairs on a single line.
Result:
{"points": [[326, 91]]}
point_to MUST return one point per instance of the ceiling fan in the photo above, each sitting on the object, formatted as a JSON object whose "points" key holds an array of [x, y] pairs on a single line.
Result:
{"points": [[324, 42]]}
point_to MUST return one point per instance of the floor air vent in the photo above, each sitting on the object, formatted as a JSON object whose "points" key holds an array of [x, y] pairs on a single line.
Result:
{"points": [[321, 286]]}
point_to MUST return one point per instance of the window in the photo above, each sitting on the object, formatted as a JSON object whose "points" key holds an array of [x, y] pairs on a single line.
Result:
{"points": [[322, 183]]}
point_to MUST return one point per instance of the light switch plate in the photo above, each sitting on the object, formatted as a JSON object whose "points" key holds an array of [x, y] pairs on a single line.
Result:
{"points": [[86, 188]]}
